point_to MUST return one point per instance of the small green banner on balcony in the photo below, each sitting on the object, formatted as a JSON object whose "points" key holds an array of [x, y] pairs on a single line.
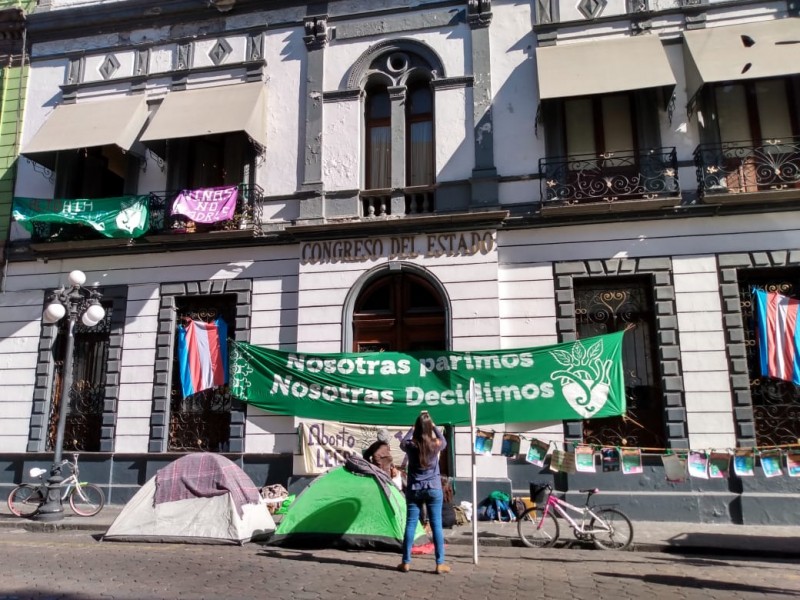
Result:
{"points": [[123, 217]]}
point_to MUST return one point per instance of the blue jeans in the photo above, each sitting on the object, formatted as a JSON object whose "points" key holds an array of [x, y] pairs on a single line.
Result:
{"points": [[414, 502]]}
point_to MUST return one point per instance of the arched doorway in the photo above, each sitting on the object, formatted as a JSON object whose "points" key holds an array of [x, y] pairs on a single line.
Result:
{"points": [[399, 312], [402, 312]]}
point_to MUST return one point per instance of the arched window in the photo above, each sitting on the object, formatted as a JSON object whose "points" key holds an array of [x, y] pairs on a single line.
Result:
{"points": [[399, 171], [419, 134], [378, 138]]}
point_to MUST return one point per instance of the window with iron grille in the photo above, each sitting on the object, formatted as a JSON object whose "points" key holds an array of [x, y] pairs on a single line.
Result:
{"points": [[200, 422], [776, 403], [613, 305], [82, 430]]}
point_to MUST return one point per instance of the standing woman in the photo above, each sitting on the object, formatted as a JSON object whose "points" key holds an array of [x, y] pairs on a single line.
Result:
{"points": [[423, 444]]}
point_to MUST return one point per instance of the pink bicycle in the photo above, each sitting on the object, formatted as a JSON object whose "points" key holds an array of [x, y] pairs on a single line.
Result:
{"points": [[607, 528]]}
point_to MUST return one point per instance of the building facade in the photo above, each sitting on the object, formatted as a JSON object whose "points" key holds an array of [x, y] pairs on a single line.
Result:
{"points": [[437, 174]]}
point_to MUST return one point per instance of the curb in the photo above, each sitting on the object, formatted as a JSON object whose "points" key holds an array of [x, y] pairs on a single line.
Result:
{"points": [[487, 542]]}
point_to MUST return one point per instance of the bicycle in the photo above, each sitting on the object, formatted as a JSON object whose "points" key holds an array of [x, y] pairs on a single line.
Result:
{"points": [[607, 528], [85, 499]]}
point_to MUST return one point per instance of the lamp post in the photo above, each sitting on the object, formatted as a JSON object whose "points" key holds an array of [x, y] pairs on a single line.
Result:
{"points": [[72, 301]]}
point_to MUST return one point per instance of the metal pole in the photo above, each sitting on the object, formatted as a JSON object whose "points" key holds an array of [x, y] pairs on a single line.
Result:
{"points": [[473, 413], [53, 509]]}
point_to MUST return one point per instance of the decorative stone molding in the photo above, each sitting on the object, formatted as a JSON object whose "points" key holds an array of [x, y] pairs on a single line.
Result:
{"points": [[479, 13], [255, 46], [317, 32], [421, 56]]}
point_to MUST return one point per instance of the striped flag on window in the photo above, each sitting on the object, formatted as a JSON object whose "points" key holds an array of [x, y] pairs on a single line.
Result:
{"points": [[203, 355], [778, 335]]}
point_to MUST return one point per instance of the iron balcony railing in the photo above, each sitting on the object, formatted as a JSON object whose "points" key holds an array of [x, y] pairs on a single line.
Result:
{"points": [[247, 216], [747, 167], [419, 200], [609, 177]]}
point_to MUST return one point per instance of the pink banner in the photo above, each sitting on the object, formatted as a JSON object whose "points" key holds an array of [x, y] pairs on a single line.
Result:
{"points": [[207, 205]]}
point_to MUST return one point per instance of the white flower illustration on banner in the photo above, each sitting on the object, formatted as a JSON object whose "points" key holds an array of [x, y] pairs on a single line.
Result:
{"points": [[585, 381], [240, 371]]}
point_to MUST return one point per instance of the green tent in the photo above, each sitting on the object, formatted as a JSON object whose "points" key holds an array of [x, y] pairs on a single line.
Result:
{"points": [[345, 510]]}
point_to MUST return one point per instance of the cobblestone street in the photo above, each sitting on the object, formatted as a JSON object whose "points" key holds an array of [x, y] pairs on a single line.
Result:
{"points": [[73, 565]]}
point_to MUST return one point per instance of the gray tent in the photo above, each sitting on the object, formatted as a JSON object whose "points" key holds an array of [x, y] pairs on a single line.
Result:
{"points": [[203, 504]]}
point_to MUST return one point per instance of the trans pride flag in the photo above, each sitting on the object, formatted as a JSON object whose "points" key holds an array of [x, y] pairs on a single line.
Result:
{"points": [[778, 335], [203, 355]]}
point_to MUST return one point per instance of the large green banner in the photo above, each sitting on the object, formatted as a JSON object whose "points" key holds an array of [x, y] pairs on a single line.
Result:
{"points": [[123, 217], [574, 380]]}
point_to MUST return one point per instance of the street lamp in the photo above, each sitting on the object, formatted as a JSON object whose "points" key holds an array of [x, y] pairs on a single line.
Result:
{"points": [[70, 301]]}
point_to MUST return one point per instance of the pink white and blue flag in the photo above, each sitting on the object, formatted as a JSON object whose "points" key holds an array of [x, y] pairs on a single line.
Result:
{"points": [[203, 355], [778, 335]]}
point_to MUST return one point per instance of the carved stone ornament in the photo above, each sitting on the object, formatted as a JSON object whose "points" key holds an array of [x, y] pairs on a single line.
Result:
{"points": [[316, 31], [479, 13]]}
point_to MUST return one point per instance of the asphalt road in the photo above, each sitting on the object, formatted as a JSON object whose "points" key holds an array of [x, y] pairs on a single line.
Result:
{"points": [[72, 565]]}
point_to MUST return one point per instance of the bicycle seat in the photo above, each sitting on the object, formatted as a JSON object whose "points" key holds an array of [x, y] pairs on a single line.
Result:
{"points": [[590, 492], [37, 472]]}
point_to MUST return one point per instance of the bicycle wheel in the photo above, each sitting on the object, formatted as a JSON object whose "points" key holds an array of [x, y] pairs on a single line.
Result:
{"points": [[537, 531], [87, 499], [619, 534], [24, 500]]}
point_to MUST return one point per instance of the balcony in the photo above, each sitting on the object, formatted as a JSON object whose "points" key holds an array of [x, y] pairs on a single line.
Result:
{"points": [[245, 222], [744, 172], [417, 200], [610, 182], [163, 226]]}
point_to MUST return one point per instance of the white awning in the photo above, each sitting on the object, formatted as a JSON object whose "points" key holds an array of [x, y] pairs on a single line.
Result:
{"points": [[88, 124], [736, 52], [208, 111], [587, 68]]}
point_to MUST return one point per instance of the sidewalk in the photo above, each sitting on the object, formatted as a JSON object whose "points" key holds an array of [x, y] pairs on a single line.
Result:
{"points": [[764, 541]]}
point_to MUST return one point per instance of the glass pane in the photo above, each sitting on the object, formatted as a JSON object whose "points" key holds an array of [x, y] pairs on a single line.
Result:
{"points": [[421, 101], [379, 159], [773, 109], [420, 147], [580, 126], [617, 126], [378, 105], [734, 124]]}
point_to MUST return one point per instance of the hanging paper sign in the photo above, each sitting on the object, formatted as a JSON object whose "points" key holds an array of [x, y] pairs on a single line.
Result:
{"points": [[718, 465], [327, 444], [771, 463], [631, 461], [207, 205], [793, 463], [574, 380], [698, 464], [744, 463], [484, 440], [584, 459], [562, 461], [510, 446], [537, 452], [609, 459], [674, 468]]}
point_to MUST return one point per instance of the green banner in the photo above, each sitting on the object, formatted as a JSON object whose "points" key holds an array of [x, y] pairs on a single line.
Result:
{"points": [[123, 217], [574, 380]]}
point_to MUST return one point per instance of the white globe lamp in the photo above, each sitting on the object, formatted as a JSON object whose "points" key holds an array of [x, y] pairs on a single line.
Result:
{"points": [[54, 312], [77, 278], [93, 315]]}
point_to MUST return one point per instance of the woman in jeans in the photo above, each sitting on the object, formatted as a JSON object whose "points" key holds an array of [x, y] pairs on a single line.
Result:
{"points": [[423, 444]]}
